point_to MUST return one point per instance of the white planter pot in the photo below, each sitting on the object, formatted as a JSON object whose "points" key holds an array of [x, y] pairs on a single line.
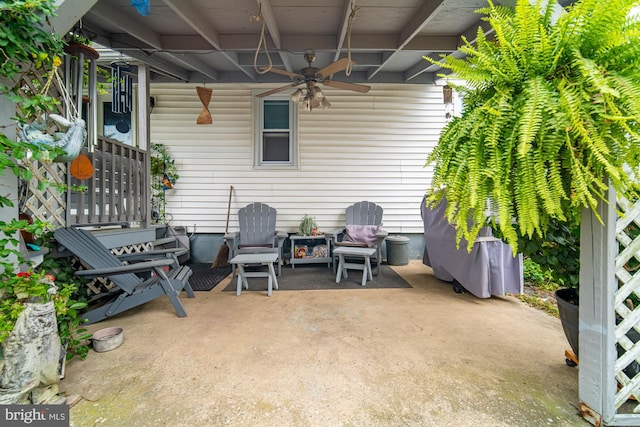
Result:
{"points": [[30, 369]]}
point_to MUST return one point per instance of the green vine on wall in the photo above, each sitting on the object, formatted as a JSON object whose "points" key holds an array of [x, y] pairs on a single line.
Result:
{"points": [[164, 175], [25, 48]]}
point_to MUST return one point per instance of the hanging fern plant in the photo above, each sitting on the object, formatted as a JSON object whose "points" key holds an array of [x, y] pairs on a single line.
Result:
{"points": [[552, 110]]}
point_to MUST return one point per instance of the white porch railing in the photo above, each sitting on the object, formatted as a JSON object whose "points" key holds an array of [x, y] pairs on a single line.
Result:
{"points": [[118, 192]]}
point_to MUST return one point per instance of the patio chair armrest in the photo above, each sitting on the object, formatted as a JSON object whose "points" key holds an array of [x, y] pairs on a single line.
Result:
{"points": [[124, 269], [281, 236], [159, 254], [333, 234], [382, 234], [233, 238], [156, 253]]}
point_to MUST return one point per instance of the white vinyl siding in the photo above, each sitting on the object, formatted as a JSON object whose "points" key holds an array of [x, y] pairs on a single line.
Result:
{"points": [[365, 147]]}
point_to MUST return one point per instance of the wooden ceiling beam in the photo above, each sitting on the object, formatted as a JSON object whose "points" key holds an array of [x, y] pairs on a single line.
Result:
{"points": [[199, 24], [424, 15], [127, 24]]}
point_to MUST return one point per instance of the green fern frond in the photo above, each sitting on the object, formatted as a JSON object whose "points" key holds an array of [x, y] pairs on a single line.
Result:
{"points": [[629, 91], [531, 118], [551, 110], [593, 75]]}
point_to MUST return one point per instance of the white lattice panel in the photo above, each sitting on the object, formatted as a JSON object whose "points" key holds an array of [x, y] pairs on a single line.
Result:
{"points": [[627, 303], [102, 285], [132, 249], [47, 204]]}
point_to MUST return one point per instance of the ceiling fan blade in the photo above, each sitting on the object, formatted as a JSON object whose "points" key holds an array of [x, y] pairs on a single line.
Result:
{"points": [[282, 72], [336, 67], [348, 86], [276, 90]]}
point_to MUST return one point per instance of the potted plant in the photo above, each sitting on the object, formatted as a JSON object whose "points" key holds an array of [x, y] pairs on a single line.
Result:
{"points": [[78, 43], [307, 226], [557, 254], [550, 117], [164, 175]]}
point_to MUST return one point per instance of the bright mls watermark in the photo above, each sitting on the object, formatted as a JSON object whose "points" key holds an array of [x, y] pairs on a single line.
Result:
{"points": [[34, 415]]}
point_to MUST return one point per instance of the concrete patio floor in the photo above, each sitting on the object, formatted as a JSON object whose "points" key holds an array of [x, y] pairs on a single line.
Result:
{"points": [[424, 356]]}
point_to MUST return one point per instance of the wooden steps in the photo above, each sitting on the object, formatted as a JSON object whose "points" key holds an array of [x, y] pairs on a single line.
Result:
{"points": [[167, 239]]}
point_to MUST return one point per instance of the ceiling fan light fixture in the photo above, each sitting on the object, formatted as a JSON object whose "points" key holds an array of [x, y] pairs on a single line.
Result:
{"points": [[297, 95], [311, 76], [324, 103], [307, 104]]}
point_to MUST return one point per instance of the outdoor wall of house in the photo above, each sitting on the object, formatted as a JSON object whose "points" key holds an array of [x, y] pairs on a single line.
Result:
{"points": [[365, 147]]}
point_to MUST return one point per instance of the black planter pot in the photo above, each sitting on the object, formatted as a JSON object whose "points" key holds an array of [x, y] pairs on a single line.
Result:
{"points": [[568, 309], [567, 300]]}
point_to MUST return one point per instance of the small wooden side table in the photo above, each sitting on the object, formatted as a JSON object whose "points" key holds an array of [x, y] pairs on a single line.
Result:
{"points": [[309, 259]]}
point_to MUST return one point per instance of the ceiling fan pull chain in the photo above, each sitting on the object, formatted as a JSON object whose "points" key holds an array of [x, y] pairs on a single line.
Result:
{"points": [[262, 40], [354, 10]]}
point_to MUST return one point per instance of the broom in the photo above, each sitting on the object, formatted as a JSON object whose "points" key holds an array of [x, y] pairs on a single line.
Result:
{"points": [[222, 258]]}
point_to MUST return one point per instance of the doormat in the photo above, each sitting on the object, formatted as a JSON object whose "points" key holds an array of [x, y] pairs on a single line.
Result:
{"points": [[204, 277], [311, 277]]}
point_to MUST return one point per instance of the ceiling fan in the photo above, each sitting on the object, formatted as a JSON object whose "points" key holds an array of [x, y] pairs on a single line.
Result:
{"points": [[310, 94]]}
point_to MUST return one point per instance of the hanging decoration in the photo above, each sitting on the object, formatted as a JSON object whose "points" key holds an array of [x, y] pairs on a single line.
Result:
{"points": [[205, 97], [447, 96], [78, 51], [72, 133], [142, 6], [122, 88], [71, 137], [166, 182], [81, 167], [261, 42]]}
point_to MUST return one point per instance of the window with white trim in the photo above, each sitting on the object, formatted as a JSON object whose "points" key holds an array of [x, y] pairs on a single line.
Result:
{"points": [[276, 130]]}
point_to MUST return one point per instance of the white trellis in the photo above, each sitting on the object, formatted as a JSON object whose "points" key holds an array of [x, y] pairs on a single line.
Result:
{"points": [[609, 342]]}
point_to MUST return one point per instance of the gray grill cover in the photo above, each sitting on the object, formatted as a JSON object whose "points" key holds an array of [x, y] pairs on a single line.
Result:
{"points": [[489, 269]]}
